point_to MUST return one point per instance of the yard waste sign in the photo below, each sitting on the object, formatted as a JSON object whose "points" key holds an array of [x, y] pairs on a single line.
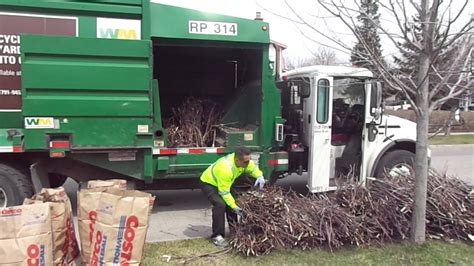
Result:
{"points": [[11, 26]]}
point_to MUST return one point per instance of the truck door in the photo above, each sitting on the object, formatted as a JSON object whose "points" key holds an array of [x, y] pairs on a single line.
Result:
{"points": [[318, 119], [373, 109]]}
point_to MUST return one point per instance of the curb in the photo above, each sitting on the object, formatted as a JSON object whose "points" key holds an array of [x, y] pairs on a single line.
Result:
{"points": [[451, 145]]}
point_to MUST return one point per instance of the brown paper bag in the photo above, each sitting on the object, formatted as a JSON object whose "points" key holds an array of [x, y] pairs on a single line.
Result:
{"points": [[65, 246], [118, 183], [87, 202], [120, 227], [26, 237]]}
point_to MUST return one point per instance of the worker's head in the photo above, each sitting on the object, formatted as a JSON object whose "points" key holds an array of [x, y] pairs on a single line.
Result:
{"points": [[242, 157]]}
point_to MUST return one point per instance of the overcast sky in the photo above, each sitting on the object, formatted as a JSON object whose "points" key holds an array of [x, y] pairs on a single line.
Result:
{"points": [[288, 32]]}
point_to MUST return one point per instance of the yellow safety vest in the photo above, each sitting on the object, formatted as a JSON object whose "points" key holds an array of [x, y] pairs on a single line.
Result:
{"points": [[223, 173]]}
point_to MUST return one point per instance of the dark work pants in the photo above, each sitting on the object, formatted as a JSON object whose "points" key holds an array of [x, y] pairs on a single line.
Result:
{"points": [[219, 209]]}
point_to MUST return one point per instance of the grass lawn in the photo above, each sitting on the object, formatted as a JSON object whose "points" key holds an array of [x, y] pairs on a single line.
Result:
{"points": [[432, 253], [454, 139]]}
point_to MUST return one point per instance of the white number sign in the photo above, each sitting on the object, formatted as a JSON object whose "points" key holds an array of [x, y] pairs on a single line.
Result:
{"points": [[213, 28]]}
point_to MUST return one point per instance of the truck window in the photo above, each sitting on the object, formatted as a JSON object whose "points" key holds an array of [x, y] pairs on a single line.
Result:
{"points": [[350, 91], [348, 105], [323, 101]]}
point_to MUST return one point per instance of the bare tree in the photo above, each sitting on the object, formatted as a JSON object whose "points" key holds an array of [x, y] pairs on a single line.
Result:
{"points": [[323, 56], [424, 96]]}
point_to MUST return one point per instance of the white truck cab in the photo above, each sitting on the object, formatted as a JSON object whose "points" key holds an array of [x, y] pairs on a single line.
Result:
{"points": [[335, 127]]}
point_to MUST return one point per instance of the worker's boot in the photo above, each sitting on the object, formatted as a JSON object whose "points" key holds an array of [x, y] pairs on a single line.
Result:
{"points": [[219, 241]]}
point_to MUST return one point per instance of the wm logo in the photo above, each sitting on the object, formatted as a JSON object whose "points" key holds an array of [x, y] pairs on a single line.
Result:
{"points": [[109, 33], [39, 122]]}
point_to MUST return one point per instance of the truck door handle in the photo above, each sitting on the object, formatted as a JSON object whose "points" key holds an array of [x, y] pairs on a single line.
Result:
{"points": [[309, 119]]}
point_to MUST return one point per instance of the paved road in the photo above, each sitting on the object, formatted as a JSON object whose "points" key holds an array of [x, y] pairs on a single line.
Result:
{"points": [[456, 160], [184, 214]]}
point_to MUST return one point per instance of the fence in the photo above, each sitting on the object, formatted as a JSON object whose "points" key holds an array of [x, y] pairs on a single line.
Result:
{"points": [[439, 119]]}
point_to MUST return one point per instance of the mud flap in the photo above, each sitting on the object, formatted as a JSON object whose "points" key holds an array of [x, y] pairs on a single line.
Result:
{"points": [[39, 176]]}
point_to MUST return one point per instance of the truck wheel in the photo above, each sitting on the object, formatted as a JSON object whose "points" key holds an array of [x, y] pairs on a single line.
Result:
{"points": [[15, 186], [397, 163]]}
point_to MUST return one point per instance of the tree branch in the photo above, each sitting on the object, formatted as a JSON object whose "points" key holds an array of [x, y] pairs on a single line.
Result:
{"points": [[464, 53]]}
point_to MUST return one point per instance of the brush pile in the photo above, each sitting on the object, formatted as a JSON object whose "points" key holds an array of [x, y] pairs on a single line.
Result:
{"points": [[193, 123], [374, 215]]}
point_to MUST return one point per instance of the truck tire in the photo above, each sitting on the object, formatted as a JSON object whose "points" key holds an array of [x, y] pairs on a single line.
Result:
{"points": [[15, 185], [397, 163]]}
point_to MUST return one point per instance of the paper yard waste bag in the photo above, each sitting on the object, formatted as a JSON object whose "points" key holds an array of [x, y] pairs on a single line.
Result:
{"points": [[118, 183], [25, 236], [65, 245], [87, 204], [120, 227], [87, 200]]}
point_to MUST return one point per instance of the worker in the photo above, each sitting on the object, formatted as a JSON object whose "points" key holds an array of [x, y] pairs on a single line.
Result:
{"points": [[216, 183]]}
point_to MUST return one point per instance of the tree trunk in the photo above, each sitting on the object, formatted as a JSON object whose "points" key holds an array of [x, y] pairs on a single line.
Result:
{"points": [[451, 119], [418, 223], [447, 132]]}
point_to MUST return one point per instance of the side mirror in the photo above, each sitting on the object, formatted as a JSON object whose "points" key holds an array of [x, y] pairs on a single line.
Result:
{"points": [[376, 100], [372, 132]]}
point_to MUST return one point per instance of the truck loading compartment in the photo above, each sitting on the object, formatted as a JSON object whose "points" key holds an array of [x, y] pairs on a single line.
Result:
{"points": [[228, 75]]}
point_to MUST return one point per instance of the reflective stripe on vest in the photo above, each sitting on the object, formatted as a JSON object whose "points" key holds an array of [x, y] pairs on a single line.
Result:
{"points": [[213, 175], [231, 166]]}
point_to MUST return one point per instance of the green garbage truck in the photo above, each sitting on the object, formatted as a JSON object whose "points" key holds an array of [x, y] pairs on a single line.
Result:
{"points": [[92, 90]]}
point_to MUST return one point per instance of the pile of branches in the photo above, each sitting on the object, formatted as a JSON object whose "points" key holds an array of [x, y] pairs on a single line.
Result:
{"points": [[193, 123], [374, 215]]}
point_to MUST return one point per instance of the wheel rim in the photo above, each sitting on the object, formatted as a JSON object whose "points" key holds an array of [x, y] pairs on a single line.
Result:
{"points": [[401, 170], [3, 198]]}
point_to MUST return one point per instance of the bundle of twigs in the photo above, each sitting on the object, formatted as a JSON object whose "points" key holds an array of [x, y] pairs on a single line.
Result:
{"points": [[450, 208], [192, 123], [355, 215]]}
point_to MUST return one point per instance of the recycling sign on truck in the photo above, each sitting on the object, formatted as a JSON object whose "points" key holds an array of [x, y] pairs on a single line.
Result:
{"points": [[11, 26]]}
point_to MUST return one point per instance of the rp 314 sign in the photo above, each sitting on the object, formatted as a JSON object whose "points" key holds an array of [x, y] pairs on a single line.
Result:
{"points": [[212, 28]]}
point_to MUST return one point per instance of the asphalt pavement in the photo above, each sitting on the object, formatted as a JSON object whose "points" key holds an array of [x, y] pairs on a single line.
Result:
{"points": [[186, 214], [455, 160]]}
